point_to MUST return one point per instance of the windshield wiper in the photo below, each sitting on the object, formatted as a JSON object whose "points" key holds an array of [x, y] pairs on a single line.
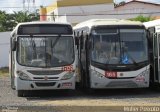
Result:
{"points": [[55, 42], [33, 47], [49, 56], [122, 48]]}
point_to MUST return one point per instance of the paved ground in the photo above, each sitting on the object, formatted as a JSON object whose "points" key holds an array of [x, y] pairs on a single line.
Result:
{"points": [[63, 101]]}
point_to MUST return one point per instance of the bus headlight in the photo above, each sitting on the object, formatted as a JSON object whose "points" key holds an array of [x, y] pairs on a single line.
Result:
{"points": [[97, 74], [141, 76], [68, 76], [23, 76]]}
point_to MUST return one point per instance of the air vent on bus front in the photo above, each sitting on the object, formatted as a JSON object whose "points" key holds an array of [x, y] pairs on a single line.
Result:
{"points": [[45, 72], [45, 84]]}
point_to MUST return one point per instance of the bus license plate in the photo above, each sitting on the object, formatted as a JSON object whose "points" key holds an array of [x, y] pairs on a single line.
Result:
{"points": [[111, 74]]}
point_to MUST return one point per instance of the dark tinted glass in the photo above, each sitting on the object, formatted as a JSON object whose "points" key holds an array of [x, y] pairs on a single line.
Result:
{"points": [[44, 29]]}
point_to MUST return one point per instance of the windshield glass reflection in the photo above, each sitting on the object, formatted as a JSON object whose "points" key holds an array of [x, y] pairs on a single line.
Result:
{"points": [[129, 46], [45, 51]]}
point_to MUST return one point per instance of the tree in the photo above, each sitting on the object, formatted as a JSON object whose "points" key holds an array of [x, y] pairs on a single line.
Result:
{"points": [[34, 16], [21, 17], [9, 21], [119, 4], [25, 16], [142, 18], [3, 18]]}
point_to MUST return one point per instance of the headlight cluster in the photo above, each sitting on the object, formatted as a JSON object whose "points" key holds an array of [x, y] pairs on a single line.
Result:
{"points": [[68, 76], [97, 74], [146, 72], [141, 76], [23, 76]]}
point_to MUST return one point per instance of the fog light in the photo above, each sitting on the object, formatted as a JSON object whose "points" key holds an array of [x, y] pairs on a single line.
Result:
{"points": [[140, 78]]}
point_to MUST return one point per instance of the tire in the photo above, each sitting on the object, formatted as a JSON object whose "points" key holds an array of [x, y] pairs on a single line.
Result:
{"points": [[155, 86], [90, 91], [20, 93]]}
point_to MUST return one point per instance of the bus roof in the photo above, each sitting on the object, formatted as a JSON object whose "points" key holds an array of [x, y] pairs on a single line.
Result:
{"points": [[96, 22], [43, 22], [152, 23], [38, 22]]}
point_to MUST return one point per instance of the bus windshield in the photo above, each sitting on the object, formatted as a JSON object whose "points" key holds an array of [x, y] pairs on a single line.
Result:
{"points": [[45, 51], [123, 46]]}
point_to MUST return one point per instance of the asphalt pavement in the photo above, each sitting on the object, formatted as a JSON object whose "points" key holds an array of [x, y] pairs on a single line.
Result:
{"points": [[111, 100]]}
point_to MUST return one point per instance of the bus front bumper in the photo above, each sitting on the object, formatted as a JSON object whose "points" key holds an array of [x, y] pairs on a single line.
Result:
{"points": [[44, 85], [102, 83]]}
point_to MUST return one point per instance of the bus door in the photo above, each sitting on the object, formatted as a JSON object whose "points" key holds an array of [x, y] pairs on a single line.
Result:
{"points": [[156, 56]]}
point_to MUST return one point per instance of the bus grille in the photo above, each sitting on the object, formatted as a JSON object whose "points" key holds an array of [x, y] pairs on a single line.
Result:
{"points": [[45, 84], [122, 84], [45, 72], [42, 78]]}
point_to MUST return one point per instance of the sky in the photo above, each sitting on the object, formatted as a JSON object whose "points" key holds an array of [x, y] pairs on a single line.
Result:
{"points": [[16, 5]]}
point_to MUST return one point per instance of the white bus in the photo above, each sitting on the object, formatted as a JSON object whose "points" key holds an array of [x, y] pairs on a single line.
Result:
{"points": [[112, 54], [153, 29], [42, 57]]}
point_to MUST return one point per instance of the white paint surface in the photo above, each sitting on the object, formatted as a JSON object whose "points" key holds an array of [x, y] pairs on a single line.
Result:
{"points": [[4, 48]]}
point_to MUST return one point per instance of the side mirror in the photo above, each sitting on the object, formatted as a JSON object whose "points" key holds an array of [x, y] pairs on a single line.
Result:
{"points": [[14, 45]]}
